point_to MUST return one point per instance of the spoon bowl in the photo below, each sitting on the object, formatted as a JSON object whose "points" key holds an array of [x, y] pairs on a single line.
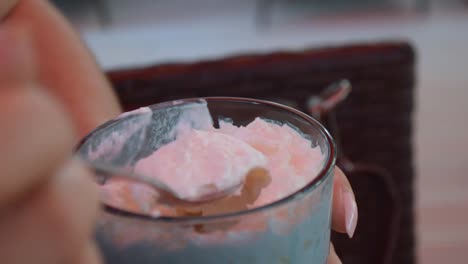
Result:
{"points": [[166, 195]]}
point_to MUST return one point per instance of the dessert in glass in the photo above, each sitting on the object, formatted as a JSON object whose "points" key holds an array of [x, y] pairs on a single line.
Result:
{"points": [[277, 161]]}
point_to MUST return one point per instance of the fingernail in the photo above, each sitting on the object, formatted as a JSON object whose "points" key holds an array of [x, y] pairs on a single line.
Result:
{"points": [[16, 56], [351, 212]]}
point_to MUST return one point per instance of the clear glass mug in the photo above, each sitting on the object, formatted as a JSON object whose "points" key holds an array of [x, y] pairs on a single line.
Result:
{"points": [[295, 229]]}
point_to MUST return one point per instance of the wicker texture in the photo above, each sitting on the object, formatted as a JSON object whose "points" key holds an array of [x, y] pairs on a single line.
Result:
{"points": [[375, 122]]}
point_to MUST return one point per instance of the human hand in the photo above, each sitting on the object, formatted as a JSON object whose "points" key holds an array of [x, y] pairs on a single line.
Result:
{"points": [[344, 210], [66, 69], [51, 94], [47, 200]]}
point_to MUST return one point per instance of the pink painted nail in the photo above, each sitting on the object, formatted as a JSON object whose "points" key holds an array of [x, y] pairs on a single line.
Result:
{"points": [[351, 213]]}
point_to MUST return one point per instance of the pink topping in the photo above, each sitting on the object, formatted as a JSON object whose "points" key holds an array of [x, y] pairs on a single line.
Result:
{"points": [[223, 158], [292, 161], [198, 159]]}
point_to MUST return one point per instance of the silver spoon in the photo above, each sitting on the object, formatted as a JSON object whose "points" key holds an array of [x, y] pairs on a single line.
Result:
{"points": [[166, 194]]}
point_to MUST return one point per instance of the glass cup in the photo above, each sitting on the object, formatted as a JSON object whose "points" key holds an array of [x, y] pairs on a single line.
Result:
{"points": [[295, 229]]}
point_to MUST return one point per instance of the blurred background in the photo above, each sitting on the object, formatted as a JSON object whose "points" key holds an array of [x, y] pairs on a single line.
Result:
{"points": [[124, 34]]}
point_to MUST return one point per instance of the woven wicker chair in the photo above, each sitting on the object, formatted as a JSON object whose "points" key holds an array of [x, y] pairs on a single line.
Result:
{"points": [[374, 123]]}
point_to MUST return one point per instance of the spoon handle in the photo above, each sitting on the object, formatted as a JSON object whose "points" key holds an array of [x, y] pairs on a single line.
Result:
{"points": [[105, 172]]}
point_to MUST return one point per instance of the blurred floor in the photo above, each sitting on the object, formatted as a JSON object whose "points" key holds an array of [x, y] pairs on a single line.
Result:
{"points": [[150, 33]]}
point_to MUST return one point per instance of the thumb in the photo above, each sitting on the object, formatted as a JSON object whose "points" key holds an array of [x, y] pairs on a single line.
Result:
{"points": [[17, 62]]}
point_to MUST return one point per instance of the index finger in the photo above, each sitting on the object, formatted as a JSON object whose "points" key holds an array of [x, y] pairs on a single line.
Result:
{"points": [[32, 123], [68, 70]]}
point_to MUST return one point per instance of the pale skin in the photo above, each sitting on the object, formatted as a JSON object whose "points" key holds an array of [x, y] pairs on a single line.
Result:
{"points": [[52, 92]]}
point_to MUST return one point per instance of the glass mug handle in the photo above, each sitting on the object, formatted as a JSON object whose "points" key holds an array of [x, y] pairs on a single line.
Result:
{"points": [[389, 234], [322, 108]]}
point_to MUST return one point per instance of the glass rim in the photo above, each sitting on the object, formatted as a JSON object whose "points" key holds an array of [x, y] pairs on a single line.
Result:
{"points": [[322, 175]]}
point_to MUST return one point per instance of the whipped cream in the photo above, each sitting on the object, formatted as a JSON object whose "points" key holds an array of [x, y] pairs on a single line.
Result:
{"points": [[202, 157], [198, 161]]}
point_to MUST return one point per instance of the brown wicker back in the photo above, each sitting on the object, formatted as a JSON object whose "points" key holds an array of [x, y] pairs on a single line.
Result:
{"points": [[375, 123]]}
